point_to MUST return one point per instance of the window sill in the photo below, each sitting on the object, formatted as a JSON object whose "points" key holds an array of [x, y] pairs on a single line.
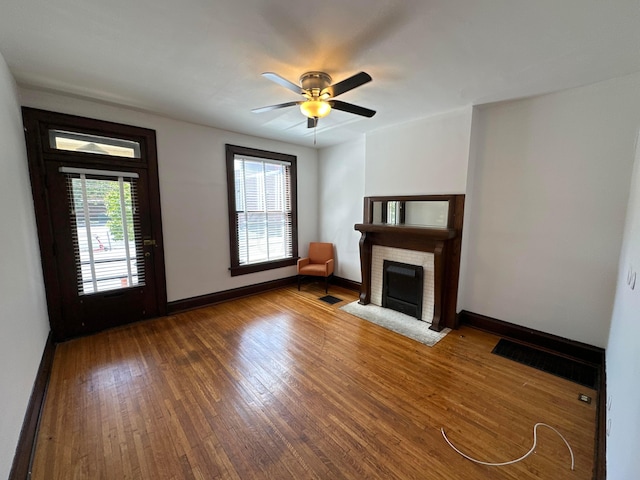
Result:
{"points": [[260, 267]]}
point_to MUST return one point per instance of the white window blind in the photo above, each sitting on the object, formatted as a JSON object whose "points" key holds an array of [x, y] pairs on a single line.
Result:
{"points": [[106, 230], [263, 209]]}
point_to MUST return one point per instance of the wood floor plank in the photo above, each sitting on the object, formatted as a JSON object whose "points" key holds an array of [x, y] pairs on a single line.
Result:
{"points": [[284, 386]]}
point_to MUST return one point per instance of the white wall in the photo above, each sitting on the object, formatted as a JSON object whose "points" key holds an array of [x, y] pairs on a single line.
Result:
{"points": [[341, 203], [623, 354], [422, 157], [24, 324], [193, 191], [547, 208]]}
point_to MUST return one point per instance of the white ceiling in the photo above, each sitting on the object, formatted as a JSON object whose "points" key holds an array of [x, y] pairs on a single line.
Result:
{"points": [[201, 60]]}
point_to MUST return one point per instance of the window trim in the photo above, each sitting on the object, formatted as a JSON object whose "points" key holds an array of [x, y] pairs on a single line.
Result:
{"points": [[237, 269]]}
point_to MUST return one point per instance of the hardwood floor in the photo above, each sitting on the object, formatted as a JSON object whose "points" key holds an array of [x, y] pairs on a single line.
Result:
{"points": [[284, 386]]}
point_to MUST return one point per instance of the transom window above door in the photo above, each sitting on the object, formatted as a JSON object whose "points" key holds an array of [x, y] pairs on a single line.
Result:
{"points": [[93, 144]]}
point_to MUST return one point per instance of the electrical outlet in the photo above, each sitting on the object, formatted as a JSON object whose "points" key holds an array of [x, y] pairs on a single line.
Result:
{"points": [[584, 398]]}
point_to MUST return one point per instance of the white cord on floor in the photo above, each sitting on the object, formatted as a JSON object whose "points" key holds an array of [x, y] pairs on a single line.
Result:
{"points": [[535, 441]]}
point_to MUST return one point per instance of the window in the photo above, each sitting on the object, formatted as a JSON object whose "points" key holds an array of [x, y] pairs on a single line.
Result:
{"points": [[262, 209]]}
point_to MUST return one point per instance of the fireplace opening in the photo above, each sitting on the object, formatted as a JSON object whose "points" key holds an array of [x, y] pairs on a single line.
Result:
{"points": [[402, 287]]}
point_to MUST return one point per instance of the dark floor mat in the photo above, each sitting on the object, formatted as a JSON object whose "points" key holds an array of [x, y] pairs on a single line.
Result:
{"points": [[575, 371], [330, 299]]}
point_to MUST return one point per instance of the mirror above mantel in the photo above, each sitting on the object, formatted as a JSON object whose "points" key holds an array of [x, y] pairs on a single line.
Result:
{"points": [[427, 211], [419, 213]]}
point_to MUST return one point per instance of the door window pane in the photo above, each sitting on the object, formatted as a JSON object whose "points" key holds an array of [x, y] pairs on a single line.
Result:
{"points": [[105, 232]]}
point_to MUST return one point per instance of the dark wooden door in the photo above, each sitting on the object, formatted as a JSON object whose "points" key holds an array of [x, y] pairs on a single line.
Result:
{"points": [[97, 202]]}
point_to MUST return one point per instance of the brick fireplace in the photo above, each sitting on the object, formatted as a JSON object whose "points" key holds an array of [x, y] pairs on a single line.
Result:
{"points": [[380, 254]]}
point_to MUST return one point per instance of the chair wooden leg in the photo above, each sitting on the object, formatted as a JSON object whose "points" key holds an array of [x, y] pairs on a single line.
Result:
{"points": [[326, 284], [299, 277]]}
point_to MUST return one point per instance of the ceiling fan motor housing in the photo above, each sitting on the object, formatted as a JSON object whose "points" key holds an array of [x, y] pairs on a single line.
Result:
{"points": [[315, 82]]}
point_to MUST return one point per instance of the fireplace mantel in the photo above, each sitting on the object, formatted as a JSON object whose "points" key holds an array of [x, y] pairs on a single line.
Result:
{"points": [[444, 243], [423, 232]]}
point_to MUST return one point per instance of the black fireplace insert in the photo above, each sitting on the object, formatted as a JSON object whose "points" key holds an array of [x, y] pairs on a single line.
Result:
{"points": [[402, 288]]}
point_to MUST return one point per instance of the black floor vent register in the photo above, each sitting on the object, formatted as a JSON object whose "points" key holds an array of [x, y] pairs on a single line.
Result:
{"points": [[572, 370], [330, 299]]}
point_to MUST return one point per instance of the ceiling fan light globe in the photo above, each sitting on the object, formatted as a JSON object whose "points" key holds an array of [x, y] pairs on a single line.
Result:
{"points": [[315, 108]]}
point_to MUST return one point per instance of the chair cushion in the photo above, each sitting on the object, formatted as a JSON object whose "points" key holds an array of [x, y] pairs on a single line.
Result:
{"points": [[315, 269]]}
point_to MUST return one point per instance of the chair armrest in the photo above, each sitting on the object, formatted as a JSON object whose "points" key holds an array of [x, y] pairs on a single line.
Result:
{"points": [[329, 266], [302, 262]]}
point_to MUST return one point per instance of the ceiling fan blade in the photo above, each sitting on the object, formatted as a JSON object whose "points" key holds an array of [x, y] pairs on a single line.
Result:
{"points": [[274, 77], [312, 122], [351, 108], [275, 107], [347, 84]]}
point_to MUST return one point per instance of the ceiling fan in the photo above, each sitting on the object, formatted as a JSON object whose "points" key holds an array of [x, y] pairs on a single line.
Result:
{"points": [[319, 95]]}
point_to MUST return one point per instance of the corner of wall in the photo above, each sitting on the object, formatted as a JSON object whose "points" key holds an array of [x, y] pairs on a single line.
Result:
{"points": [[341, 192], [474, 138]]}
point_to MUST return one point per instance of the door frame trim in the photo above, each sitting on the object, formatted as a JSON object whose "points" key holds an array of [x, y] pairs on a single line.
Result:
{"points": [[36, 124]]}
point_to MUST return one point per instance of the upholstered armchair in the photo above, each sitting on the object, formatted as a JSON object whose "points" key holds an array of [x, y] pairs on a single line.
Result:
{"points": [[319, 263]]}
